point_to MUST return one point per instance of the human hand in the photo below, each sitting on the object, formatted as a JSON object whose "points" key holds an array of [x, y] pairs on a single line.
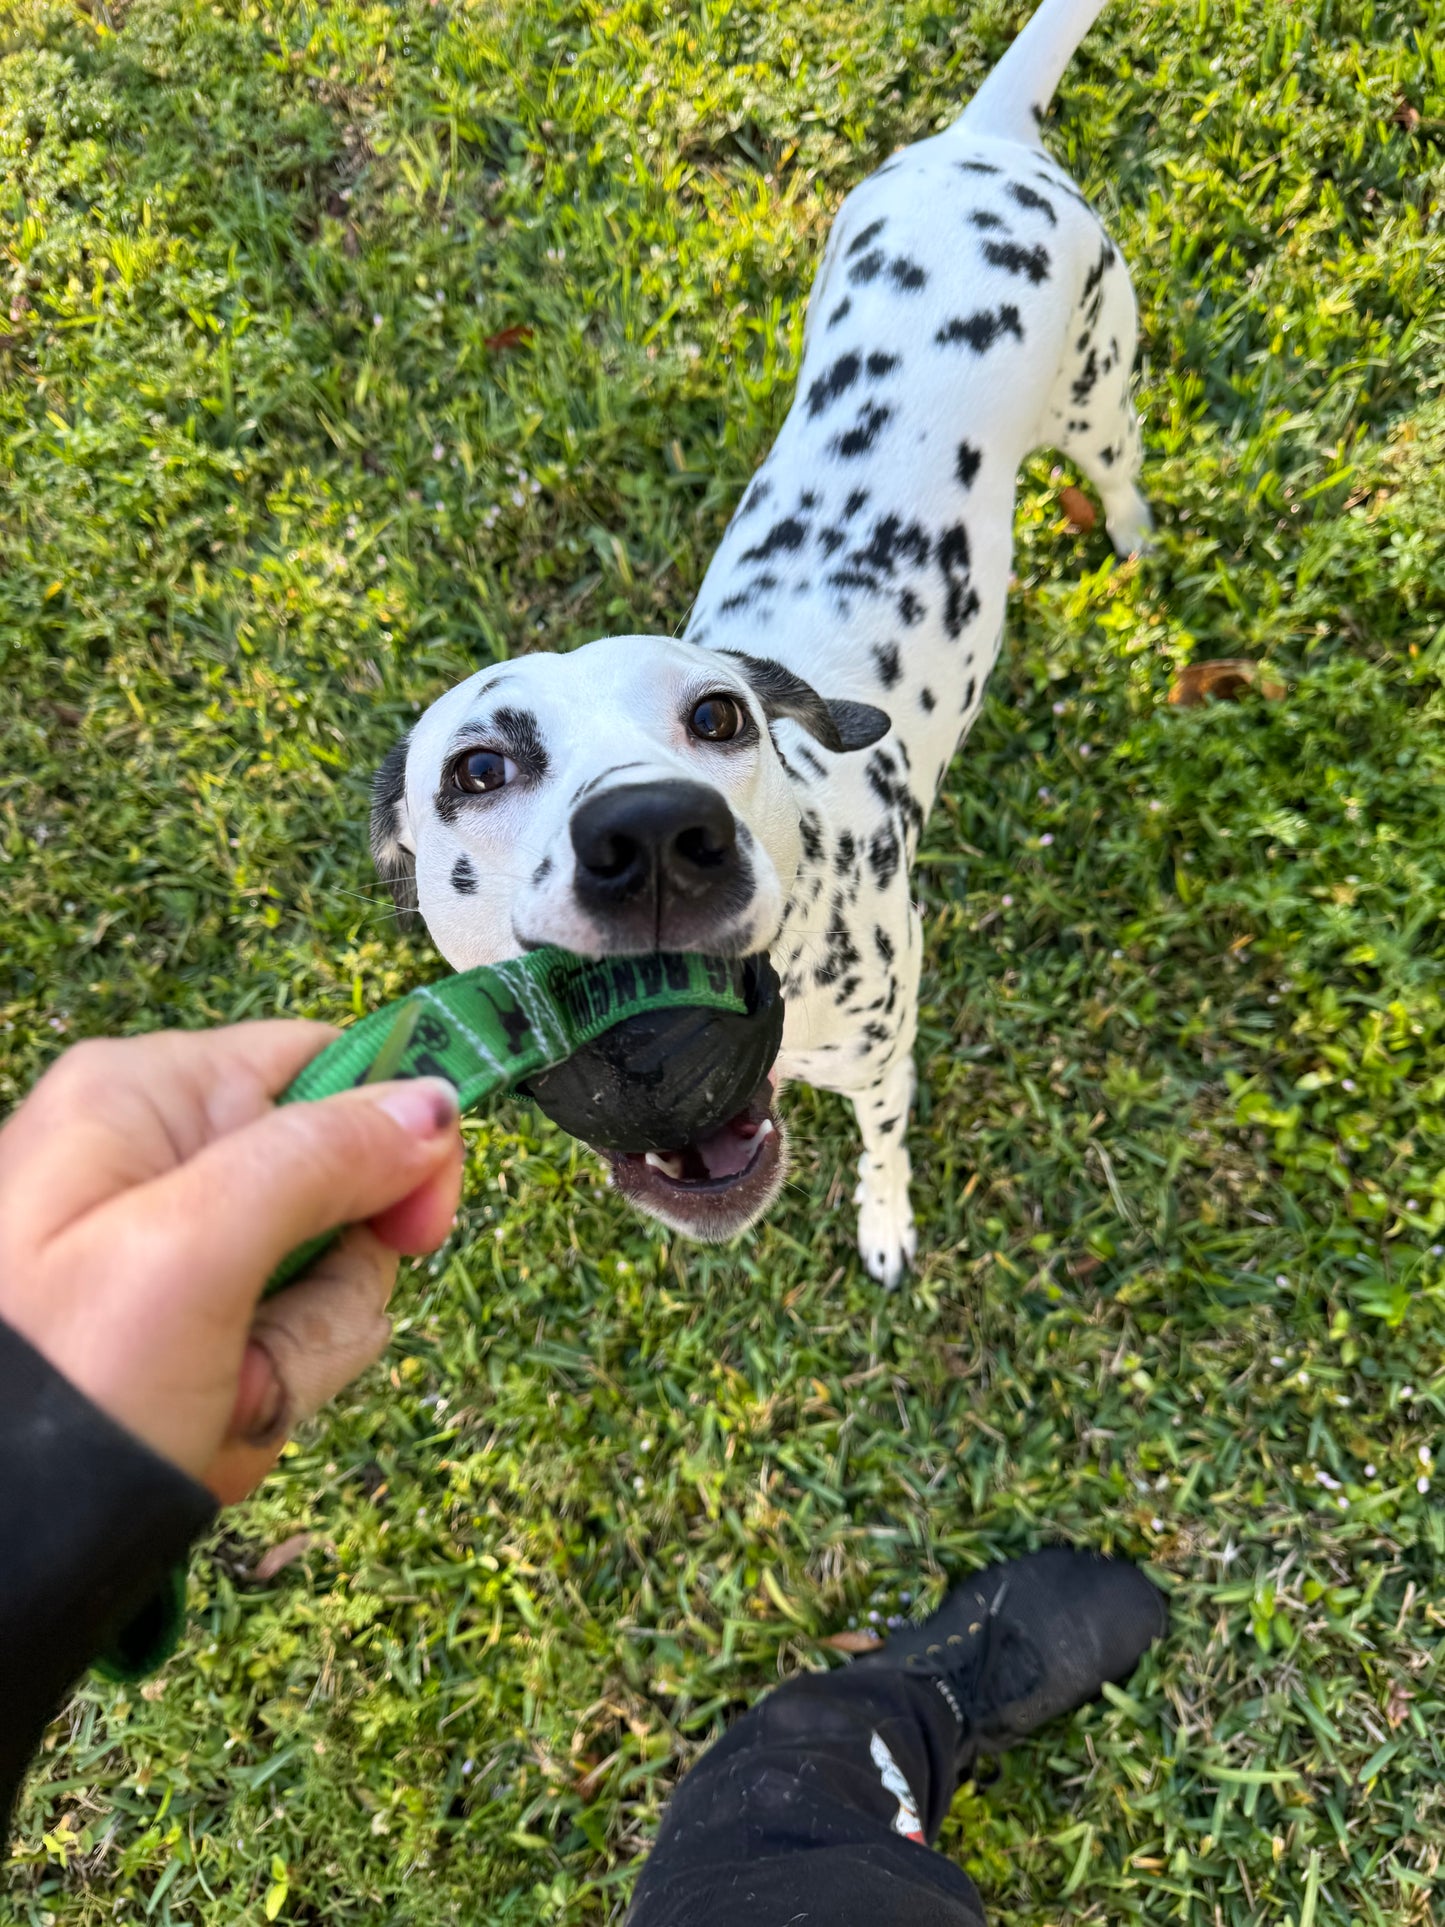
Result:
{"points": [[149, 1187]]}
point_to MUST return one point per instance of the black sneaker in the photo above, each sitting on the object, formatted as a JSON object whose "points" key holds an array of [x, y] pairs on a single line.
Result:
{"points": [[1023, 1642]]}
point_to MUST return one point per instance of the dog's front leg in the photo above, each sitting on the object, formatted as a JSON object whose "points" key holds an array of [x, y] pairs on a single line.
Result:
{"points": [[887, 1237]]}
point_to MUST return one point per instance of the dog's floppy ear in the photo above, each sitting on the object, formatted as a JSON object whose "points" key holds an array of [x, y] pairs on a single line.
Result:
{"points": [[837, 724], [391, 833]]}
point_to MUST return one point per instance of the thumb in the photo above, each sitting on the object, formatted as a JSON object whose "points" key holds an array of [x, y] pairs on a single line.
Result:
{"points": [[236, 1208]]}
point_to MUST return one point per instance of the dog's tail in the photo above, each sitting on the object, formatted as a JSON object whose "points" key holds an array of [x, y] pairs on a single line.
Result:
{"points": [[1011, 103]]}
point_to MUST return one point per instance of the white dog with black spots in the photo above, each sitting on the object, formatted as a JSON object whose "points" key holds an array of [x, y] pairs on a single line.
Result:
{"points": [[762, 782]]}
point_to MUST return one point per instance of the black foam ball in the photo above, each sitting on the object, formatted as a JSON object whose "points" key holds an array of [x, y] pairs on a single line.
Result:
{"points": [[666, 1078]]}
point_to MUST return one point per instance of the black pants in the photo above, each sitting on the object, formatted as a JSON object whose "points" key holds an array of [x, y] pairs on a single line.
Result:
{"points": [[814, 1808]]}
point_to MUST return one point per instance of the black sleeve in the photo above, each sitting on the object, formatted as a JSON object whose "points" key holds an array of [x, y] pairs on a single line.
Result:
{"points": [[92, 1524]]}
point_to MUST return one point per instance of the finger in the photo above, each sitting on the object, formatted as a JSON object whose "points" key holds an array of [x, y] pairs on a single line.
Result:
{"points": [[116, 1112], [424, 1220], [242, 1203], [307, 1344]]}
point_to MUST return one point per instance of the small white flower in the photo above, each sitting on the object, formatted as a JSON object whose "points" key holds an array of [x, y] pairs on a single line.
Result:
{"points": [[1086, 749], [639, 1484], [1329, 1484], [376, 321], [1007, 902], [1059, 708], [1423, 1455], [1422, 1484], [1275, 1359], [1280, 1279], [1157, 1524], [437, 451], [1369, 1471], [1347, 1083], [1046, 839], [1343, 1504], [1411, 1204]]}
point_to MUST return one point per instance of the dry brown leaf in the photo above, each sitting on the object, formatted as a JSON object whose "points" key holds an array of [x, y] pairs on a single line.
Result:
{"points": [[860, 1642], [1223, 681], [1081, 513], [507, 338], [1406, 116], [1397, 1707], [276, 1558]]}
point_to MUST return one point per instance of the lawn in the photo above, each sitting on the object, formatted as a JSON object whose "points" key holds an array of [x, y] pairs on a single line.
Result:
{"points": [[351, 346]]}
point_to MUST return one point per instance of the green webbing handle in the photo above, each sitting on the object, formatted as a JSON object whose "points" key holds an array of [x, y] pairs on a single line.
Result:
{"points": [[485, 1031], [489, 1029]]}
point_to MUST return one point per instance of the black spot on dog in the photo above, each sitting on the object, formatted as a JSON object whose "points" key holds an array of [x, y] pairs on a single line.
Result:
{"points": [[883, 855], [977, 167], [543, 870], [832, 540], [810, 836], [885, 654], [832, 383], [1026, 197], [839, 954], [809, 761], [927, 700], [883, 943], [808, 499], [787, 535], [1008, 255], [854, 502], [967, 465], [757, 494], [868, 269], [980, 330], [1107, 457], [877, 1033], [464, 877], [985, 222], [841, 312], [953, 556], [1088, 376], [880, 773], [520, 735], [859, 439], [907, 275], [759, 585], [1098, 271], [910, 609], [847, 854], [880, 365], [970, 691], [867, 234], [892, 539], [889, 1123]]}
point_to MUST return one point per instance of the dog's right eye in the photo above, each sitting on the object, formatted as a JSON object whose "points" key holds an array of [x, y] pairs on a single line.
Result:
{"points": [[476, 771]]}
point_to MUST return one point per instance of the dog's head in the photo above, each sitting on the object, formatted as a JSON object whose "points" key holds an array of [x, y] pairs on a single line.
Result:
{"points": [[626, 798]]}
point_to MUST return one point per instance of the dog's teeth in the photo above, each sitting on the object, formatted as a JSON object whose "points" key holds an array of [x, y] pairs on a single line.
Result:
{"points": [[669, 1165], [766, 1128]]}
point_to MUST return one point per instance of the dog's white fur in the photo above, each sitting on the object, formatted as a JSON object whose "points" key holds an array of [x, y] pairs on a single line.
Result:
{"points": [[969, 309]]}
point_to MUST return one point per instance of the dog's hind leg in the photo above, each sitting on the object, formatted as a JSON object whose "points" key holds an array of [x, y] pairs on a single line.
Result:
{"points": [[1091, 413], [887, 1237]]}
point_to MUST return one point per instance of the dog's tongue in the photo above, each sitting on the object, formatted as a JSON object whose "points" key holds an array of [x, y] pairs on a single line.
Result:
{"points": [[722, 1154]]}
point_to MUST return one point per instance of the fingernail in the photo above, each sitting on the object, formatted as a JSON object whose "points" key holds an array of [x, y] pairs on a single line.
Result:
{"points": [[423, 1107]]}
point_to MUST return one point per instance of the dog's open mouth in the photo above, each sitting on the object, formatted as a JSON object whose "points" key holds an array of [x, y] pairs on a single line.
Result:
{"points": [[716, 1186]]}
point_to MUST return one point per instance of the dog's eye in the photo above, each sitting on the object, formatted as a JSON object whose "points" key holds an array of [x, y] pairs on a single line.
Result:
{"points": [[717, 718], [477, 770]]}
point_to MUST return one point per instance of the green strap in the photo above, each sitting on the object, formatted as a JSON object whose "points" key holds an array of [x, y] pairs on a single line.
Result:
{"points": [[485, 1031], [489, 1029]]}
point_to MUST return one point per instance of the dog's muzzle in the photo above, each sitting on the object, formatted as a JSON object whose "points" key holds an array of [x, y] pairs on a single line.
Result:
{"points": [[680, 1103]]}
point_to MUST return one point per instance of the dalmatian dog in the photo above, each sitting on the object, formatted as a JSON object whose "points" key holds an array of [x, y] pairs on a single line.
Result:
{"points": [[761, 783]]}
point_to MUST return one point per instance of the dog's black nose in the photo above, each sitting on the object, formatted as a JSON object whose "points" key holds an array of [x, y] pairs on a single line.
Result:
{"points": [[659, 841]]}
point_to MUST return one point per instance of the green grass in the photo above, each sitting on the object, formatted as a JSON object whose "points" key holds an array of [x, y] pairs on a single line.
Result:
{"points": [[1179, 1144]]}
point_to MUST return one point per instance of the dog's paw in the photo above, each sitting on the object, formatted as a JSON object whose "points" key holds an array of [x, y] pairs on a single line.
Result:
{"points": [[887, 1235], [1130, 525]]}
